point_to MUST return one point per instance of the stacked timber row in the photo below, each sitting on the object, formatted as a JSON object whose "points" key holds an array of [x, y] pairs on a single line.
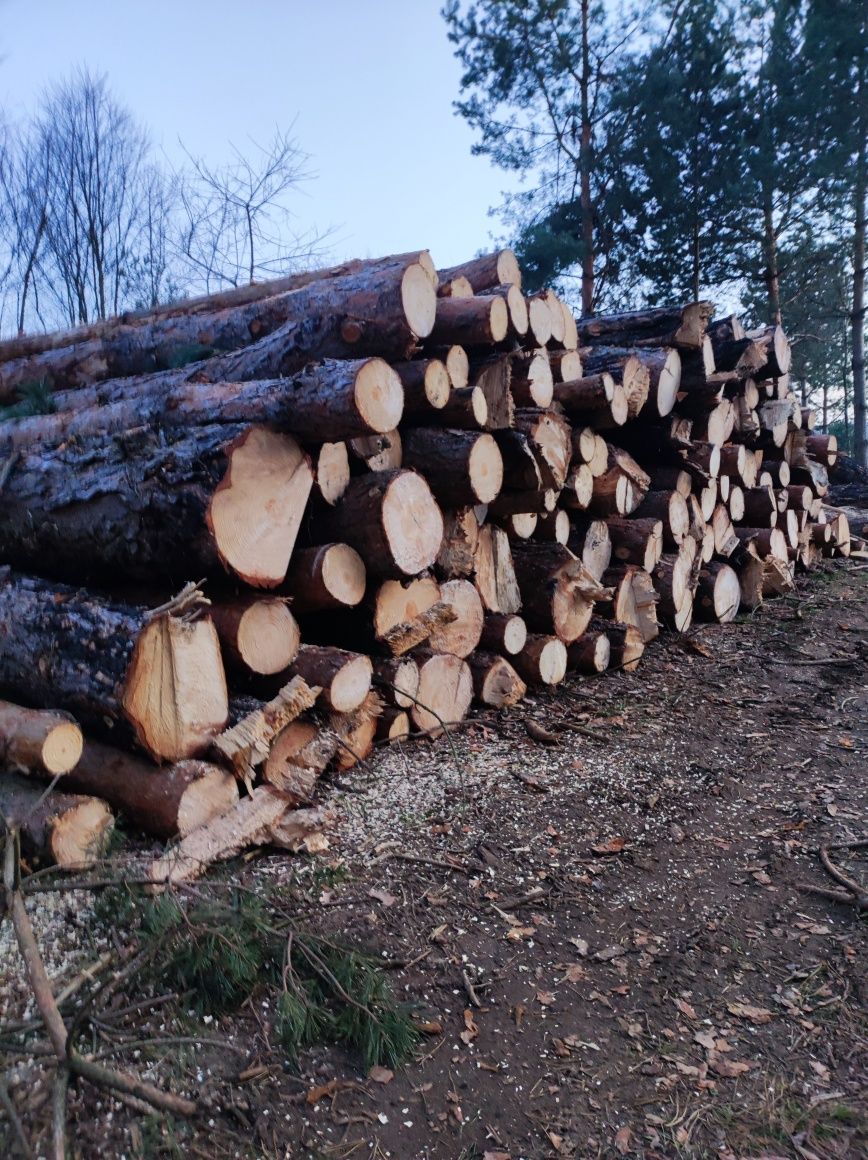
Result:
{"points": [[258, 531]]}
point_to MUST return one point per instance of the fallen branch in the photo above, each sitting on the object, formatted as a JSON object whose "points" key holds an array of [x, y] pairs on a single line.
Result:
{"points": [[40, 984]]}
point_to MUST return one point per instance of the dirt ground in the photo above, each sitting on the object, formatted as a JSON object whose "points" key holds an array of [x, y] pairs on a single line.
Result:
{"points": [[606, 940]]}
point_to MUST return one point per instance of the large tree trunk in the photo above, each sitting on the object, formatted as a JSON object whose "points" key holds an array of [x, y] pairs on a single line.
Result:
{"points": [[382, 309], [117, 669], [149, 509], [680, 326], [857, 317], [331, 400]]}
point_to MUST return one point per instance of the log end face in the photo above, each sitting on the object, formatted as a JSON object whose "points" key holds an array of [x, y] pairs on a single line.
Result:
{"points": [[351, 685], [485, 468], [344, 574], [268, 637], [62, 748], [412, 522], [80, 836], [419, 299], [211, 792], [498, 320], [508, 269], [379, 395]]}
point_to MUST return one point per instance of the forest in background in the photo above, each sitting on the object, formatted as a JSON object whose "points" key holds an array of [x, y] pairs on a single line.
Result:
{"points": [[667, 151]]}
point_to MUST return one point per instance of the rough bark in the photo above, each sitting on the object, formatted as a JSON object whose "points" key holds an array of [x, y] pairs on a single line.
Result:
{"points": [[38, 740], [63, 829]]}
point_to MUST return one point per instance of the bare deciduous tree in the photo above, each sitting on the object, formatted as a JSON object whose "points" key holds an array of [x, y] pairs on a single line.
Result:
{"points": [[237, 223]]}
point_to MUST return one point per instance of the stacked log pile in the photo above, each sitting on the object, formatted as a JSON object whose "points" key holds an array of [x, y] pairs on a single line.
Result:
{"points": [[381, 493]]}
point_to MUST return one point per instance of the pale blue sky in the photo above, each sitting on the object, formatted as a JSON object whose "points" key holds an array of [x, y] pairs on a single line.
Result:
{"points": [[370, 83]]}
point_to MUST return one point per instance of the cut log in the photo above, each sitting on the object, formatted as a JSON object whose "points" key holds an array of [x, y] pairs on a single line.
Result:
{"points": [[397, 680], [558, 320], [465, 409], [380, 310], [674, 584], [329, 576], [542, 661], [397, 606], [456, 557], [63, 829], [589, 539], [461, 467], [146, 508], [621, 488], [736, 504], [479, 321], [495, 681], [265, 818], [445, 693], [531, 382], [760, 506], [590, 653], [633, 600], [597, 398], [515, 503], [393, 724], [503, 634], [392, 521], [671, 479], [40, 741], [299, 754], [766, 541], [557, 591], [777, 350], [463, 634], [516, 308], [716, 426], [493, 378], [680, 326], [521, 470], [750, 578], [455, 288], [356, 732], [539, 318], [797, 497], [625, 644], [719, 593], [497, 269], [458, 365], [247, 743], [344, 677], [550, 441], [571, 330], [332, 471], [554, 527], [426, 386], [495, 572], [520, 526], [258, 634], [671, 509], [565, 365], [823, 448], [163, 802], [637, 540], [725, 539], [159, 675], [377, 452]]}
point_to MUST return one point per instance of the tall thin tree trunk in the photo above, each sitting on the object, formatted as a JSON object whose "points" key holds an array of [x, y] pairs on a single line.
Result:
{"points": [[857, 317], [825, 404], [773, 278], [585, 169]]}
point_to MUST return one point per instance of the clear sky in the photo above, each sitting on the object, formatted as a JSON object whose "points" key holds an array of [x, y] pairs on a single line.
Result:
{"points": [[369, 82]]}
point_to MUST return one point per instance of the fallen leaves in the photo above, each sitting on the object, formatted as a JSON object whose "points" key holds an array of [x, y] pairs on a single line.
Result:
{"points": [[749, 1012], [382, 1075], [470, 1031], [608, 953], [315, 1094], [383, 896], [611, 846], [622, 1141], [727, 1068]]}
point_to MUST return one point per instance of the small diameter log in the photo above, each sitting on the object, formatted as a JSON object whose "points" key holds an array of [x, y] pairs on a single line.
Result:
{"points": [[499, 268], [750, 578], [344, 677], [377, 452], [66, 830], [399, 609], [503, 634], [558, 319], [539, 318], [823, 448], [590, 540], [325, 577], [460, 538], [466, 410], [565, 365], [461, 467], [778, 353], [445, 692], [458, 365], [495, 572], [397, 680], [621, 488], [479, 321], [634, 600], [736, 504], [625, 644], [717, 425], [636, 540], [516, 306], [256, 724], [702, 460], [40, 741], [681, 326], [673, 581], [521, 469], [258, 634], [542, 661], [116, 668], [493, 378], [462, 635], [426, 384], [531, 382], [164, 802], [766, 541], [557, 591], [578, 489], [799, 498], [517, 503], [393, 724], [571, 330], [554, 527], [392, 521], [719, 593], [725, 539], [356, 732], [455, 288], [495, 681], [520, 526], [299, 753], [595, 398], [589, 654], [671, 479], [671, 509], [332, 471]]}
